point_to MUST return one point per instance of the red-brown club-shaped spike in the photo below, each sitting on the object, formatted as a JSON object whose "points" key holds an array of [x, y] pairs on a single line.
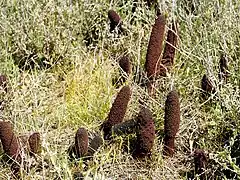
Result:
{"points": [[155, 47], [200, 161], [171, 121], [34, 142], [169, 50], [207, 87], [9, 140], [224, 72], [145, 134], [115, 20], [125, 64], [81, 143]]}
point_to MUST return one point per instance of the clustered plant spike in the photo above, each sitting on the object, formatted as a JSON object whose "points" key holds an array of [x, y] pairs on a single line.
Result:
{"points": [[126, 66], [34, 142], [117, 111], [10, 146], [115, 21], [171, 122], [207, 87], [3, 82], [200, 161], [169, 50], [223, 74], [145, 134], [9, 141], [14, 146], [80, 147], [154, 50]]}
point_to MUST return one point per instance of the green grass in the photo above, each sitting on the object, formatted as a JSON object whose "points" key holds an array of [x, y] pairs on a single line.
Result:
{"points": [[77, 90]]}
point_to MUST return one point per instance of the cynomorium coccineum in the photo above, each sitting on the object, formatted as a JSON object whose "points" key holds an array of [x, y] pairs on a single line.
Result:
{"points": [[224, 72], [9, 140], [115, 21], [200, 161], [117, 111], [145, 134], [80, 147], [167, 60], [34, 142], [155, 46], [171, 122], [10, 145], [207, 87], [126, 66]]}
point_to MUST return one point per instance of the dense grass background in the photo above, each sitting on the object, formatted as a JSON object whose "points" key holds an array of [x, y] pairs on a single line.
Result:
{"points": [[76, 89]]}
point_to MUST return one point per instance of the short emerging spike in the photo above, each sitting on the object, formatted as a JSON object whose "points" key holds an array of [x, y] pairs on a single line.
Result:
{"points": [[169, 50], [81, 142], [80, 147], [117, 111], [9, 140], [126, 69], [125, 64], [224, 73], [200, 161], [115, 21], [145, 134], [171, 122], [154, 50], [34, 142], [207, 87]]}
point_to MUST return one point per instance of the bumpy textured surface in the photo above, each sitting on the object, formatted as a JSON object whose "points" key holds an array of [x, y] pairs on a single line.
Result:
{"points": [[145, 134], [117, 112], [155, 47], [9, 140], [223, 63], [34, 142], [115, 20], [172, 114], [169, 51], [200, 161], [171, 122], [81, 143], [3, 83]]}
